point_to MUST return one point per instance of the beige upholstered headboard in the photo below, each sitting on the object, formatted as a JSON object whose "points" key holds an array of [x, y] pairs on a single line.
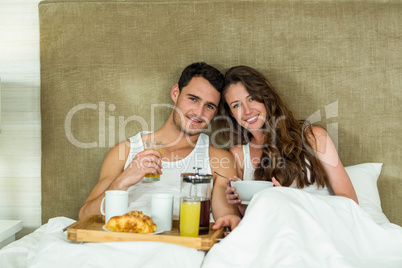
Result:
{"points": [[107, 68]]}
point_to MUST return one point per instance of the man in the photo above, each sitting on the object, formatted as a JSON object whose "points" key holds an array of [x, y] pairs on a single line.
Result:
{"points": [[196, 98]]}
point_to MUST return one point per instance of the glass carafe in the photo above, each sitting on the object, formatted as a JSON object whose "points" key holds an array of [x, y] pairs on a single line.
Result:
{"points": [[195, 203]]}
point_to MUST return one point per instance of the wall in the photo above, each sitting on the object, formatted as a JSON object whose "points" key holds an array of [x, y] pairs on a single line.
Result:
{"points": [[20, 150]]}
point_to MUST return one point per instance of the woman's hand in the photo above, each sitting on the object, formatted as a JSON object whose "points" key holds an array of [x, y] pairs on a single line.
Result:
{"points": [[231, 196], [276, 183]]}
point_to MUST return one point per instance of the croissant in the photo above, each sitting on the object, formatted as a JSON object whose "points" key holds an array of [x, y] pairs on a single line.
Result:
{"points": [[132, 222]]}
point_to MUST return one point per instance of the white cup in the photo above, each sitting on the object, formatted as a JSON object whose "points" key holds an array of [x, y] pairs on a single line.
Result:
{"points": [[116, 203], [162, 211]]}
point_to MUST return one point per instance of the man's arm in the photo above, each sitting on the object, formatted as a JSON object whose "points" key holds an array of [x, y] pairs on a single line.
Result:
{"points": [[114, 177], [225, 214]]}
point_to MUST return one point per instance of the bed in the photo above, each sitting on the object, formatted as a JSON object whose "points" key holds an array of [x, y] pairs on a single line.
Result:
{"points": [[106, 71]]}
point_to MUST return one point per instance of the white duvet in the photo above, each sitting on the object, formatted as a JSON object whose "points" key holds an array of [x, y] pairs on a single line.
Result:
{"points": [[283, 227]]}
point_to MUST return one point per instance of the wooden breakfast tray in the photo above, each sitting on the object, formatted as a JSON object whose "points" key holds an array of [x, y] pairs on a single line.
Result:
{"points": [[90, 230]]}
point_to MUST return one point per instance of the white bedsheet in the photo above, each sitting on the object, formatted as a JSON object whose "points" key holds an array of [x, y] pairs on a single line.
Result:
{"points": [[53, 249], [283, 227]]}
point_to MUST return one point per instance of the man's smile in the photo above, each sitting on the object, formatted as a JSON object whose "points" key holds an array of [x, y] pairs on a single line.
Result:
{"points": [[195, 120]]}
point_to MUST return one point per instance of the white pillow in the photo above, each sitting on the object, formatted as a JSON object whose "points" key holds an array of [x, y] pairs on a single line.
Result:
{"points": [[364, 179]]}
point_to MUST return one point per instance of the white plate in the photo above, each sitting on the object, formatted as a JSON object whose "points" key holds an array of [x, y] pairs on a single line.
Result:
{"points": [[156, 232]]}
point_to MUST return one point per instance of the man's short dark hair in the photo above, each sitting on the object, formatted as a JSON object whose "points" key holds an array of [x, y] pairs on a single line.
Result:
{"points": [[201, 69]]}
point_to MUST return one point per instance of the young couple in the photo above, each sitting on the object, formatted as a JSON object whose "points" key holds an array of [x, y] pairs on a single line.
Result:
{"points": [[273, 146]]}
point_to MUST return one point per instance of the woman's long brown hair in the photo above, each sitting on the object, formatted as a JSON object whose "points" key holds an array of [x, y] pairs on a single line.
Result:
{"points": [[285, 155]]}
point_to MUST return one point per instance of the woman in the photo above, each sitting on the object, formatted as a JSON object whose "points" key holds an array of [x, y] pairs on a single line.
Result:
{"points": [[270, 144]]}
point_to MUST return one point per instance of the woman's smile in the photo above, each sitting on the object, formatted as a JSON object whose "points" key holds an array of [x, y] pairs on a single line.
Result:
{"points": [[253, 119]]}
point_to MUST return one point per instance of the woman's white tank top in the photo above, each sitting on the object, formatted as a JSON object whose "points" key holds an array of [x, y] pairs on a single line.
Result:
{"points": [[248, 171], [248, 174], [140, 194]]}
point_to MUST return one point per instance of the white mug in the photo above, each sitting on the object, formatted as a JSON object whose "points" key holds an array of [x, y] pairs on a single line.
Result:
{"points": [[116, 204], [162, 211]]}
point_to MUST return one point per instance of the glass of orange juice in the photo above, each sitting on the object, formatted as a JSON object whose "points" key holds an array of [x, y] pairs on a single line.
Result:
{"points": [[190, 208], [158, 147]]}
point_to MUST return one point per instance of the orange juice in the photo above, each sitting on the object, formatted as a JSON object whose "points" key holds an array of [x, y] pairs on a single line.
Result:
{"points": [[190, 217], [150, 175], [158, 147]]}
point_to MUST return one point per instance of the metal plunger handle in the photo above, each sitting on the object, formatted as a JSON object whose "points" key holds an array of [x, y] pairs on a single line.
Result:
{"points": [[197, 170]]}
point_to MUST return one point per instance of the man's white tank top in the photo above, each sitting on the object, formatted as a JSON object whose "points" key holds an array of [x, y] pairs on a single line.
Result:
{"points": [[248, 175], [140, 194]]}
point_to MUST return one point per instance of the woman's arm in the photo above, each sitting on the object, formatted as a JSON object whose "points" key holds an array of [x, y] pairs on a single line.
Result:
{"points": [[325, 151]]}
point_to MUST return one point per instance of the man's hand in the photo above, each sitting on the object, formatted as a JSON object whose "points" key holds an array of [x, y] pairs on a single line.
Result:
{"points": [[145, 162], [230, 221], [113, 176]]}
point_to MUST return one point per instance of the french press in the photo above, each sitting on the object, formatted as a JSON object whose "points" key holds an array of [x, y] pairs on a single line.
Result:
{"points": [[196, 192]]}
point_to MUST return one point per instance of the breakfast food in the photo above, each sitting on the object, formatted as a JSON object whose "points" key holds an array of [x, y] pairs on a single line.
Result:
{"points": [[132, 222]]}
